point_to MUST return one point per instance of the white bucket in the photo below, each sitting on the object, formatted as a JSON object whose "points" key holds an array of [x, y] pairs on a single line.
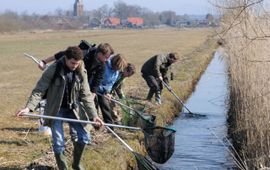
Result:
{"points": [[45, 130]]}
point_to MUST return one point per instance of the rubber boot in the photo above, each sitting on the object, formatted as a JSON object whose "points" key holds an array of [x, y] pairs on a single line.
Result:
{"points": [[150, 95], [77, 154], [61, 161], [158, 98]]}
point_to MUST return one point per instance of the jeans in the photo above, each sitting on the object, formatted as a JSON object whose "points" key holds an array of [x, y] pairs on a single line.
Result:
{"points": [[58, 131]]}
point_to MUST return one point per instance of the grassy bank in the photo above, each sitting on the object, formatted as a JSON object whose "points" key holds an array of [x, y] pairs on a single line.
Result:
{"points": [[21, 144]]}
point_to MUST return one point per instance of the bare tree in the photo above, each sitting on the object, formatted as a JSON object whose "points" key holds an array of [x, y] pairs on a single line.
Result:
{"points": [[168, 17]]}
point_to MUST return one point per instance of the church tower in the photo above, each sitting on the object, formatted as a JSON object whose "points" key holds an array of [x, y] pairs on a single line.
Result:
{"points": [[78, 8]]}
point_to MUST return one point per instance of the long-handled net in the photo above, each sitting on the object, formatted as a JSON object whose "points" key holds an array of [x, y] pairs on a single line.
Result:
{"points": [[190, 114], [159, 141], [142, 162]]}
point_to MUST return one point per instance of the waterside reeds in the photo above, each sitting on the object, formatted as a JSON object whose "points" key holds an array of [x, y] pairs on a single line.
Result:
{"points": [[245, 31]]}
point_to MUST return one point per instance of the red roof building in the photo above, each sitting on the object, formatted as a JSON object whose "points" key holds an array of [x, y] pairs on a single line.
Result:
{"points": [[112, 21], [135, 20]]}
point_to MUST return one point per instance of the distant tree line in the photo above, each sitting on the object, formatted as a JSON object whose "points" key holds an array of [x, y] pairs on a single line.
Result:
{"points": [[64, 19]]}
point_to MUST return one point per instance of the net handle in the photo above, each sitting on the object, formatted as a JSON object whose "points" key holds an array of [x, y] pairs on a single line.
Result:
{"points": [[120, 139]]}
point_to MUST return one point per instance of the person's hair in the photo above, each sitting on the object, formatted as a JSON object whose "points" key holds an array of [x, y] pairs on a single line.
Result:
{"points": [[104, 48], [118, 62], [174, 56], [130, 68], [74, 52]]}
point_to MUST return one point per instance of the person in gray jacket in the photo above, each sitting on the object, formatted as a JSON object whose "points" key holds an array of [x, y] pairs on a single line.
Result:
{"points": [[155, 70], [66, 87]]}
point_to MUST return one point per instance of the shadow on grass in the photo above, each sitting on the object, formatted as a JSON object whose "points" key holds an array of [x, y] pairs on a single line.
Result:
{"points": [[18, 143], [31, 167], [10, 168], [19, 129], [40, 167]]}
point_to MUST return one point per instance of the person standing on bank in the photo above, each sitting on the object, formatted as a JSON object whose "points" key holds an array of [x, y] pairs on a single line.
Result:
{"points": [[155, 70], [64, 91]]}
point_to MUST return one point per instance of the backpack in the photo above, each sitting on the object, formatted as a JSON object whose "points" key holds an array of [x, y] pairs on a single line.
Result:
{"points": [[84, 45]]}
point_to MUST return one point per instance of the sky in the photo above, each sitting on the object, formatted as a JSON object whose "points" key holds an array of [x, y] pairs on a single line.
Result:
{"points": [[197, 7]]}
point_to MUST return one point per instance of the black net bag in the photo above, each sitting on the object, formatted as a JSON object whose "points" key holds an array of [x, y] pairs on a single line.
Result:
{"points": [[159, 143]]}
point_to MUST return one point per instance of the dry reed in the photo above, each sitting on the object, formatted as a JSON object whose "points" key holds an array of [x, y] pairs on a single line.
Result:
{"points": [[245, 29]]}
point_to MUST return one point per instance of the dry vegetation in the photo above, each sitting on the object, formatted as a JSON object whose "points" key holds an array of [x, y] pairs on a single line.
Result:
{"points": [[245, 29], [18, 148]]}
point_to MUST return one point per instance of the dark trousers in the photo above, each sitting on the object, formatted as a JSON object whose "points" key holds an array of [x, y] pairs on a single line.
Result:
{"points": [[153, 83], [106, 110]]}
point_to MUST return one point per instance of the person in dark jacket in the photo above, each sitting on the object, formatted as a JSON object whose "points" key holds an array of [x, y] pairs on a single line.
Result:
{"points": [[64, 94], [94, 62], [155, 70]]}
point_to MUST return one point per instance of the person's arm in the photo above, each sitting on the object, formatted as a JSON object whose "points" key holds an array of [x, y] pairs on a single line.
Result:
{"points": [[42, 65], [172, 73], [119, 91], [97, 78], [88, 100], [50, 59], [160, 59], [118, 88], [38, 92]]}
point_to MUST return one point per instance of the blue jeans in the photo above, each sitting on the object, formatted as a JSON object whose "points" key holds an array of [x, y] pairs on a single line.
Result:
{"points": [[58, 131]]}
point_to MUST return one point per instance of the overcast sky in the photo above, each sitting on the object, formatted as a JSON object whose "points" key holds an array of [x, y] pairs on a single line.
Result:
{"points": [[46, 6]]}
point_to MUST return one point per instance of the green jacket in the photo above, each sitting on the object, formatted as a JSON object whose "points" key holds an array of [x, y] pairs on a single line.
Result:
{"points": [[157, 66], [54, 90], [118, 87]]}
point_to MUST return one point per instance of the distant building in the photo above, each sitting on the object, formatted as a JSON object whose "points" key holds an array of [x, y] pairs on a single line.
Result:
{"points": [[78, 8], [111, 22], [135, 21]]}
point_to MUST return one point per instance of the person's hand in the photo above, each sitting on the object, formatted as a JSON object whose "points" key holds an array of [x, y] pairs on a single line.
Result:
{"points": [[98, 121], [166, 80], [94, 95], [42, 65], [22, 111], [108, 96], [160, 78]]}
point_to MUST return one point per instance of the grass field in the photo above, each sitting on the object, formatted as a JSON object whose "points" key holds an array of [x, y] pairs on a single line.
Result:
{"points": [[19, 75]]}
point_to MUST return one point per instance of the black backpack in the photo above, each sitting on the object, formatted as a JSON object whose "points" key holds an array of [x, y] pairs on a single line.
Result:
{"points": [[84, 45]]}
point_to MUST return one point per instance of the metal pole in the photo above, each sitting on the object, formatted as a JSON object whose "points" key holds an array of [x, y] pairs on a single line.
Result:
{"points": [[121, 140], [33, 58], [118, 102], [80, 121], [170, 90]]}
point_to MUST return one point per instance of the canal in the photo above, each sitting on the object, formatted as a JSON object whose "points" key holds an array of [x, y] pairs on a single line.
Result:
{"points": [[201, 142]]}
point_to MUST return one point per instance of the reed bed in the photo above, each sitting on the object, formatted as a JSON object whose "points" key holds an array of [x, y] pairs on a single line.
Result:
{"points": [[245, 31]]}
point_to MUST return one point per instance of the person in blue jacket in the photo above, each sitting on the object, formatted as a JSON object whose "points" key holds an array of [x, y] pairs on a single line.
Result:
{"points": [[114, 66]]}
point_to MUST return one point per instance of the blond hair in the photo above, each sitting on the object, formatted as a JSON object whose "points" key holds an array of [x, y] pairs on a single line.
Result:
{"points": [[118, 62]]}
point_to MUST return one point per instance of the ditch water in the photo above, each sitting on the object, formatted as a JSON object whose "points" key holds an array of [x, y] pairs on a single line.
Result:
{"points": [[200, 143]]}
